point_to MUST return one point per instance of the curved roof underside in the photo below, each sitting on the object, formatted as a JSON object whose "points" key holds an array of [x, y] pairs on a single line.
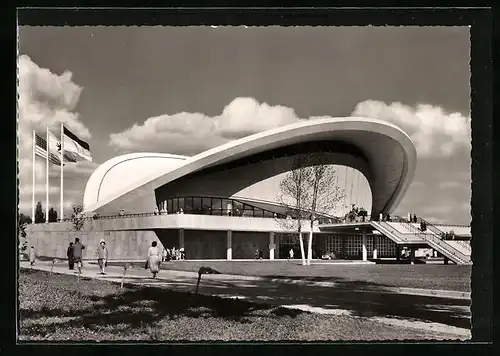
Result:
{"points": [[379, 150]]}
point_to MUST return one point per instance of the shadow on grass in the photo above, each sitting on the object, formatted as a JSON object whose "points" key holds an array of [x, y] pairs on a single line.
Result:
{"points": [[134, 307], [359, 298]]}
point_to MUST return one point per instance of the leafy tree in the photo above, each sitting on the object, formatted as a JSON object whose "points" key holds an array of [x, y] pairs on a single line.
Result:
{"points": [[77, 217], [52, 215], [308, 191], [39, 214], [22, 222]]}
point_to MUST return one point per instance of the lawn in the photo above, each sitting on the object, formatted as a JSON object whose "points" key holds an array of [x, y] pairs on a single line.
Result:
{"points": [[444, 277], [55, 307]]}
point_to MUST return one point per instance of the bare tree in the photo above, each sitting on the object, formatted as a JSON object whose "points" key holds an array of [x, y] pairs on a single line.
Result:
{"points": [[308, 191], [293, 197], [325, 193]]}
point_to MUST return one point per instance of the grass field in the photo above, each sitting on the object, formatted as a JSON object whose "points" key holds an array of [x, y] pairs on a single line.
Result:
{"points": [[444, 277], [55, 307]]}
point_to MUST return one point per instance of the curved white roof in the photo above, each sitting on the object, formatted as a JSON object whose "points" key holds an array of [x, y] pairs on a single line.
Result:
{"points": [[389, 152], [114, 175]]}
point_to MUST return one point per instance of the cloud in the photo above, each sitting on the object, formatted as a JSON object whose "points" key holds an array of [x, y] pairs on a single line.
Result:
{"points": [[435, 132], [45, 100], [191, 133]]}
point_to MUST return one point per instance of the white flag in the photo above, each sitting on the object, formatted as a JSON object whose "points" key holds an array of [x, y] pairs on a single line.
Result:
{"points": [[75, 148]]}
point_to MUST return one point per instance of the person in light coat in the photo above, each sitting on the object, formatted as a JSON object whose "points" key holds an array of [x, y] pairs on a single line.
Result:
{"points": [[102, 256], [154, 259], [32, 255]]}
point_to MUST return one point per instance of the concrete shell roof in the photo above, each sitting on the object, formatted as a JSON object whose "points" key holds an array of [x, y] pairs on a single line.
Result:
{"points": [[389, 153]]}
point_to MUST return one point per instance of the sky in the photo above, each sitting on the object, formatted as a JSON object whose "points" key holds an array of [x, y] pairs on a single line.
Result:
{"points": [[183, 90]]}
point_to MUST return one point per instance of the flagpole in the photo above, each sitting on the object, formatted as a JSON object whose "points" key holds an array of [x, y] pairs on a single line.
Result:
{"points": [[47, 178], [33, 190], [62, 172]]}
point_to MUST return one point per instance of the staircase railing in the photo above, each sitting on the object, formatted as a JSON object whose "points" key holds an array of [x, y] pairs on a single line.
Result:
{"points": [[467, 245], [448, 247], [417, 232], [435, 238], [392, 230], [430, 227]]}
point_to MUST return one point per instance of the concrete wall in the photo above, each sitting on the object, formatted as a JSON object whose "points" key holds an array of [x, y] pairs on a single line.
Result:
{"points": [[245, 244], [52, 240], [199, 244]]}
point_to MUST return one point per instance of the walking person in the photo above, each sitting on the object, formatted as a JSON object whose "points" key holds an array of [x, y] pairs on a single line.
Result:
{"points": [[32, 255], [102, 256], [71, 257], [154, 259], [78, 248], [290, 254]]}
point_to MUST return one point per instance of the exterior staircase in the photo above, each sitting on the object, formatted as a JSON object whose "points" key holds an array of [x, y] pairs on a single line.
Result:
{"points": [[391, 232], [433, 238]]}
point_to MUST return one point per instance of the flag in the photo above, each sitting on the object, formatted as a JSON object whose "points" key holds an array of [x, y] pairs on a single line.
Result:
{"points": [[41, 149], [55, 148], [75, 148]]}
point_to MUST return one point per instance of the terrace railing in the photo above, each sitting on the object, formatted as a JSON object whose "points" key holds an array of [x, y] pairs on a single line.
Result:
{"points": [[216, 212]]}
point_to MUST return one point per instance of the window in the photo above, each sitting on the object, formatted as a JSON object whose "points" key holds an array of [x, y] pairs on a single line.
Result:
{"points": [[226, 206], [268, 214], [247, 210], [333, 244], [169, 206], [188, 204], [181, 204], [206, 206], [216, 206], [237, 208], [175, 205], [258, 213], [197, 204]]}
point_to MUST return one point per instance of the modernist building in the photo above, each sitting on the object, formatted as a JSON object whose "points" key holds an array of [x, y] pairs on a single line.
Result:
{"points": [[218, 222]]}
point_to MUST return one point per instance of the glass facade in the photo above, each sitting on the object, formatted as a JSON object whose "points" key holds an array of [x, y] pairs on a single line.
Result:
{"points": [[352, 245], [216, 206]]}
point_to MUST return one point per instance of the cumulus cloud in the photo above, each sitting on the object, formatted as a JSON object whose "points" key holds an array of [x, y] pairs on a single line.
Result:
{"points": [[192, 133], [434, 131], [46, 99]]}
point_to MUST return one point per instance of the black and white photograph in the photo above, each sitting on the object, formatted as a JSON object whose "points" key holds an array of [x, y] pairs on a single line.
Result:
{"points": [[244, 183]]}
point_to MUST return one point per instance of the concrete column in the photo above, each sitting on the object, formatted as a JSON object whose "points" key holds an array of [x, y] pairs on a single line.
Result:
{"points": [[398, 253], [271, 245], [229, 245], [375, 244], [365, 252], [181, 238]]}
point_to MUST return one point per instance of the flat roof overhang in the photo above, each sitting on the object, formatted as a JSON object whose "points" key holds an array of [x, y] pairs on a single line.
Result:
{"points": [[356, 227]]}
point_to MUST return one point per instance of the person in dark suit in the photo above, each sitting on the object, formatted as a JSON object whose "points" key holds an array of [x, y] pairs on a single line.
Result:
{"points": [[71, 257]]}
